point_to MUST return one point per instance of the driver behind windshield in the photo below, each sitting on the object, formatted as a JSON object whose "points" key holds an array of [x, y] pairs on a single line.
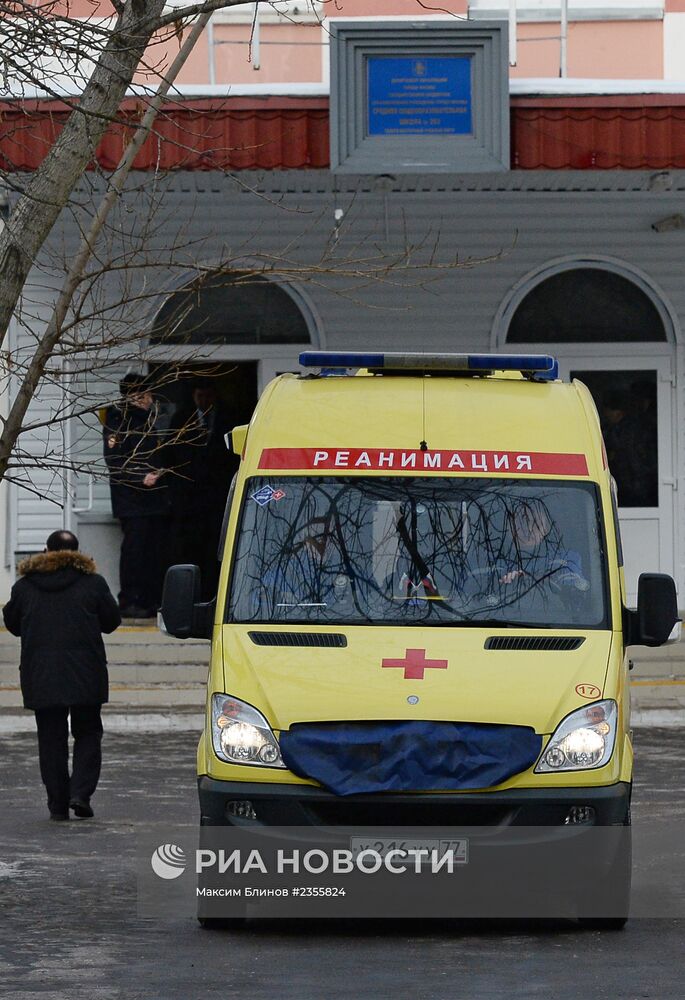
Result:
{"points": [[535, 553], [502, 556]]}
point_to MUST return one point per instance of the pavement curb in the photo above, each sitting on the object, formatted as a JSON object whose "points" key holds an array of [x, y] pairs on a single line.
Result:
{"points": [[138, 722]]}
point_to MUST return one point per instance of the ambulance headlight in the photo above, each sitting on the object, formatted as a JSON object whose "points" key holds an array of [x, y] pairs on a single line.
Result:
{"points": [[584, 740], [241, 734]]}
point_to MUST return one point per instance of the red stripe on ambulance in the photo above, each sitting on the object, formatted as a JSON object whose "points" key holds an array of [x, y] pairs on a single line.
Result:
{"points": [[531, 463]]}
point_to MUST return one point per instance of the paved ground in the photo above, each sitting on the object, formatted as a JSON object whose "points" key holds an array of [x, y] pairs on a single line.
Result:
{"points": [[68, 926]]}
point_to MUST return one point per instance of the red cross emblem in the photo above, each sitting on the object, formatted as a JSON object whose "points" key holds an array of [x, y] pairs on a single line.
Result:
{"points": [[414, 664]]}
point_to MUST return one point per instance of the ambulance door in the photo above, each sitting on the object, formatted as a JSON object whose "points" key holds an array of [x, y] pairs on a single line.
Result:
{"points": [[635, 400]]}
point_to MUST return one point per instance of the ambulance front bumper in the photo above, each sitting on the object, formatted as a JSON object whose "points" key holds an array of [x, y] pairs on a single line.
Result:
{"points": [[303, 805]]}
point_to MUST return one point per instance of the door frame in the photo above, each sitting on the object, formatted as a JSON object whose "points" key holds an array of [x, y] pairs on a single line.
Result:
{"points": [[270, 358], [659, 357], [672, 348]]}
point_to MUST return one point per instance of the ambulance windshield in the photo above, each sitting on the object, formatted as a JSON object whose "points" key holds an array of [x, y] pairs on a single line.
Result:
{"points": [[407, 551]]}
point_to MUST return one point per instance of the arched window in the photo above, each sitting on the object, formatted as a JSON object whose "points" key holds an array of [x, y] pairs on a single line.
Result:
{"points": [[231, 307], [586, 305]]}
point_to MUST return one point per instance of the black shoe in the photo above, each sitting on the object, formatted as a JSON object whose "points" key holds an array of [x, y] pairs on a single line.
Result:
{"points": [[81, 808], [59, 817]]}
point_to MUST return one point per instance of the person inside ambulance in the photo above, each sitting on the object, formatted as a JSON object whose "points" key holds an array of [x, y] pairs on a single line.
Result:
{"points": [[533, 557], [306, 571]]}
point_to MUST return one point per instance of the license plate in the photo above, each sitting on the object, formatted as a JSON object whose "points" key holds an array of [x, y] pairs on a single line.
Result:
{"points": [[383, 846]]}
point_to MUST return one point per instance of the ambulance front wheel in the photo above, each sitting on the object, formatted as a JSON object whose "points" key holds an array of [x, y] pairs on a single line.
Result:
{"points": [[615, 885], [603, 923]]}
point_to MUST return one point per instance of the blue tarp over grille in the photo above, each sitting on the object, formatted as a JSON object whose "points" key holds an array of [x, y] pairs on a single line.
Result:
{"points": [[356, 757]]}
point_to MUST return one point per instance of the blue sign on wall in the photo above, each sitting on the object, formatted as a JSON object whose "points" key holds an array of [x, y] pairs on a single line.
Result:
{"points": [[428, 95]]}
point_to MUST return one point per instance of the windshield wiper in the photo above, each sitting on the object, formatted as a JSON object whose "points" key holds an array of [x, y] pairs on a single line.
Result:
{"points": [[499, 623], [304, 604]]}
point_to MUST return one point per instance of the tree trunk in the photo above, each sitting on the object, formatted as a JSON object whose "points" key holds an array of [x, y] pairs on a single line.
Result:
{"points": [[51, 186], [49, 340]]}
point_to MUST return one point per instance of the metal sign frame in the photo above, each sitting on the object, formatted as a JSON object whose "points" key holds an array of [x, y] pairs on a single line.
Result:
{"points": [[354, 149]]}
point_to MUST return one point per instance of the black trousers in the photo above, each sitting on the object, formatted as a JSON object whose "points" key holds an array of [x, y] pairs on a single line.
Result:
{"points": [[195, 539], [53, 753], [142, 563]]}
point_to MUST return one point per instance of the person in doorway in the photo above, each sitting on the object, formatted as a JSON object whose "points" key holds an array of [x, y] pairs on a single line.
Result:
{"points": [[134, 451], [201, 468], [621, 433], [645, 442], [59, 607]]}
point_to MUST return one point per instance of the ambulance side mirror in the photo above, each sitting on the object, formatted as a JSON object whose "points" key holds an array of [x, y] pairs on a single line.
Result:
{"points": [[183, 614], [238, 438], [656, 619]]}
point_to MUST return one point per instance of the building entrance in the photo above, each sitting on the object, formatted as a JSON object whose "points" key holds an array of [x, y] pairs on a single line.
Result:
{"points": [[199, 404], [233, 331], [609, 330], [634, 399]]}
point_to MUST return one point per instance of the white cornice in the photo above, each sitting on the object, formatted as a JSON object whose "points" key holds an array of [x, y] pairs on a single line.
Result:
{"points": [[517, 88]]}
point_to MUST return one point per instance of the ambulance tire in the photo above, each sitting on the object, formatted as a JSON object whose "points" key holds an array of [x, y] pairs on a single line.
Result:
{"points": [[621, 871], [603, 923], [222, 923]]}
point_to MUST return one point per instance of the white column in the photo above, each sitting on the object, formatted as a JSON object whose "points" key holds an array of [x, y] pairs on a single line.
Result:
{"points": [[210, 52], [256, 39], [563, 39], [512, 33], [674, 46]]}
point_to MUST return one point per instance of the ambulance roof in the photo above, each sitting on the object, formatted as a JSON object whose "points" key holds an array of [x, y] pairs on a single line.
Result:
{"points": [[498, 424]]}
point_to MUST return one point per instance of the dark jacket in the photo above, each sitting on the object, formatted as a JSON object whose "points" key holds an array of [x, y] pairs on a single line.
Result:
{"points": [[200, 465], [60, 607], [133, 446]]}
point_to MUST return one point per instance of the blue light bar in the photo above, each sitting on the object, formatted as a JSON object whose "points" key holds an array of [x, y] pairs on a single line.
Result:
{"points": [[538, 366]]}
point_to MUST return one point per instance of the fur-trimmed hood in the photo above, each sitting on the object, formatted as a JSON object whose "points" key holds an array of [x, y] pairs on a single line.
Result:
{"points": [[59, 608], [51, 562]]}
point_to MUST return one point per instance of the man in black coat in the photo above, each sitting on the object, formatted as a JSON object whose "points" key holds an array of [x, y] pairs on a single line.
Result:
{"points": [[200, 471], [134, 448], [60, 607]]}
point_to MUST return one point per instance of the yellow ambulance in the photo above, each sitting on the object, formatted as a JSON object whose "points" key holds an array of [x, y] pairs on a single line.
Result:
{"points": [[421, 614]]}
